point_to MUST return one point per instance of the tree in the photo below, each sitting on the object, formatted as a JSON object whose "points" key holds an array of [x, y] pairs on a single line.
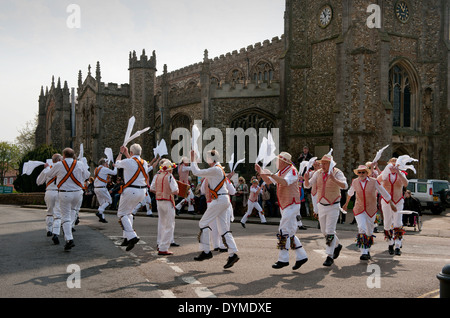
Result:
{"points": [[9, 158], [27, 183], [26, 138]]}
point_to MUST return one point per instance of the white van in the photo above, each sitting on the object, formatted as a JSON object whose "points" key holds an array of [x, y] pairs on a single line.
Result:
{"points": [[433, 194]]}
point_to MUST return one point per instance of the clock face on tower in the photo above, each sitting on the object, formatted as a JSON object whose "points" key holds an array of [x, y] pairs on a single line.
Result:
{"points": [[325, 16], [402, 11]]}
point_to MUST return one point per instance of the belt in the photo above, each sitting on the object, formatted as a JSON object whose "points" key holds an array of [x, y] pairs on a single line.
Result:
{"points": [[69, 190], [329, 204], [137, 187], [100, 187], [52, 190]]}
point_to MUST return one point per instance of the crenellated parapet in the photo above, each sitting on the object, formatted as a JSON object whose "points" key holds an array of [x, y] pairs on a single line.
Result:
{"points": [[143, 62]]}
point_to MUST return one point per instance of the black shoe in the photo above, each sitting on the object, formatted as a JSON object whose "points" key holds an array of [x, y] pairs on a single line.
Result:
{"points": [[68, 245], [203, 256], [299, 263], [125, 242], [131, 243], [337, 251], [279, 264], [302, 228], [243, 225], [231, 260], [397, 252], [55, 239], [174, 244], [391, 249], [364, 257], [103, 221], [49, 233], [328, 262], [77, 221], [223, 250]]}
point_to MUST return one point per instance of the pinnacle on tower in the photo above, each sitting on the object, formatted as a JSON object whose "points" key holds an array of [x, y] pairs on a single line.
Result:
{"points": [[97, 72]]}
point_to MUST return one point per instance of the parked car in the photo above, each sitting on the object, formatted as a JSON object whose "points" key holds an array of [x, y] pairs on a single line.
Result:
{"points": [[433, 194]]}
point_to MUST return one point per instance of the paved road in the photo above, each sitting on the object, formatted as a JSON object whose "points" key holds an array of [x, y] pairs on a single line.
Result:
{"points": [[31, 266]]}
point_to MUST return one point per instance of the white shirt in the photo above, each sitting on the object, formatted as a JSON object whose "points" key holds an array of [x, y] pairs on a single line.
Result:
{"points": [[381, 190], [130, 167], [80, 172], [214, 175], [289, 177], [103, 174], [43, 178]]}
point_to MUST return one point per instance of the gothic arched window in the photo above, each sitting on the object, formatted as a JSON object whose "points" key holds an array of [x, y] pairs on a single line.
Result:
{"points": [[262, 72], [401, 95], [247, 120]]}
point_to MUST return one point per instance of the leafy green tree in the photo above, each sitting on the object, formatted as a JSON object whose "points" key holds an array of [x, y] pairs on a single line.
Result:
{"points": [[27, 183], [9, 158]]}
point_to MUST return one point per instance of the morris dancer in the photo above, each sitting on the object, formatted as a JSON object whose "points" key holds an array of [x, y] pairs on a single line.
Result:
{"points": [[393, 180], [328, 199], [365, 209], [253, 202], [165, 187], [53, 219], [70, 175], [135, 172], [217, 209], [101, 174], [286, 180], [183, 170]]}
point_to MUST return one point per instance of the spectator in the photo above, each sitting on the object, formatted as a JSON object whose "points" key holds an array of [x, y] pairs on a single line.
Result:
{"points": [[241, 196], [305, 155], [410, 204], [88, 194], [115, 193]]}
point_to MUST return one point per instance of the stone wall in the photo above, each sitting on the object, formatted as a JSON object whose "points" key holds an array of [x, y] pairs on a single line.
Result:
{"points": [[22, 198]]}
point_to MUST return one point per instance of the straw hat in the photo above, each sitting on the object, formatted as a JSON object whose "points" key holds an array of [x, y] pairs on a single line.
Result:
{"points": [[360, 168], [326, 158], [285, 156]]}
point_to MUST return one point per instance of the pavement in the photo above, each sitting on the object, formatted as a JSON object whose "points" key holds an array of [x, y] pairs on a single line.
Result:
{"points": [[433, 225]]}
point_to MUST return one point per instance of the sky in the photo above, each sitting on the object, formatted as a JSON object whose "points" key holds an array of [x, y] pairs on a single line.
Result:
{"points": [[44, 38]]}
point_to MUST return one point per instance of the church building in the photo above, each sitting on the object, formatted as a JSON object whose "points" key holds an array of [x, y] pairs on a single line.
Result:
{"points": [[348, 75]]}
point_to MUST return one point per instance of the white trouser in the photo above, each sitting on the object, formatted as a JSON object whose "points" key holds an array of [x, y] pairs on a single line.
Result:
{"points": [[288, 227], [68, 203], [392, 220], [51, 201], [129, 198], [217, 209], [314, 202], [166, 224], [366, 225], [74, 213], [217, 241], [328, 216], [250, 206], [104, 199]]}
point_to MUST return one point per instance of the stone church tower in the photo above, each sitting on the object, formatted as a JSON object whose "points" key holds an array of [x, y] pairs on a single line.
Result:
{"points": [[355, 89], [54, 124]]}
